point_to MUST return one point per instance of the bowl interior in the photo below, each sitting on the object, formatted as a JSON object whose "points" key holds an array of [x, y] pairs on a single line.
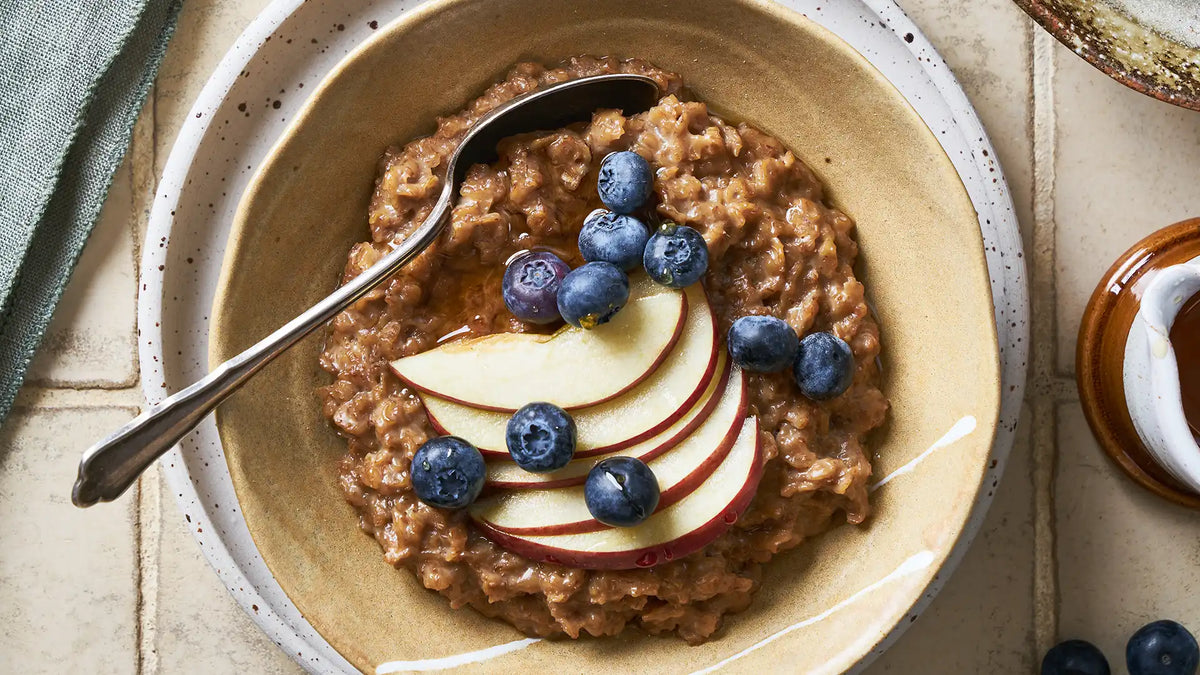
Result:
{"points": [[823, 606]]}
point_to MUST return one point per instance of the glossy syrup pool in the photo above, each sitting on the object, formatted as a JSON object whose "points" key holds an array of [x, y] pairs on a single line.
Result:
{"points": [[1185, 338]]}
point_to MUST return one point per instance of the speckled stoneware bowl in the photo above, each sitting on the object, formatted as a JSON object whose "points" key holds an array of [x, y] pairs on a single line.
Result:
{"points": [[922, 258], [855, 83], [1152, 46]]}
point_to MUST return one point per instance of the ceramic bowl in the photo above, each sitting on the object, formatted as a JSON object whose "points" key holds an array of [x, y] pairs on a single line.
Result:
{"points": [[923, 260], [1151, 47], [943, 264]]}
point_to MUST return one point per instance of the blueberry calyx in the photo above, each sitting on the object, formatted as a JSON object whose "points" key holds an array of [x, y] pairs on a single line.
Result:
{"points": [[1162, 647], [530, 286], [541, 437]]}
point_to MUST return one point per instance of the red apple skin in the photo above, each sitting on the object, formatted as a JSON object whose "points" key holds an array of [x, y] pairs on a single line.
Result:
{"points": [[643, 557], [649, 371], [683, 409], [703, 415], [613, 447], [668, 497]]}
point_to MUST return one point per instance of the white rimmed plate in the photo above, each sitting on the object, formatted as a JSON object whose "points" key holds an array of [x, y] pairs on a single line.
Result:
{"points": [[292, 45]]}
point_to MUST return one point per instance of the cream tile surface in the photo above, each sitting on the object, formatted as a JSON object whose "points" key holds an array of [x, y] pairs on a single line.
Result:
{"points": [[1125, 557], [1126, 167], [987, 605], [91, 339], [198, 627], [68, 578]]}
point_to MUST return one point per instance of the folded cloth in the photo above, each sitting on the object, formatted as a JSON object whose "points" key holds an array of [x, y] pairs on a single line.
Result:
{"points": [[73, 77]]}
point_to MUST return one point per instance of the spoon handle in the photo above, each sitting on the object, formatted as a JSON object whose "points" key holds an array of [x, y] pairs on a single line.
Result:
{"points": [[108, 468]]}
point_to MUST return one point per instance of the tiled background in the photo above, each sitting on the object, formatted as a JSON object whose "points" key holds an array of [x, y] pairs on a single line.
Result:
{"points": [[1070, 548]]}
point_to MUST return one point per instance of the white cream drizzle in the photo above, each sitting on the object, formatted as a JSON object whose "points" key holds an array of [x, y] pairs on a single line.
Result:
{"points": [[454, 661], [961, 429], [914, 564]]}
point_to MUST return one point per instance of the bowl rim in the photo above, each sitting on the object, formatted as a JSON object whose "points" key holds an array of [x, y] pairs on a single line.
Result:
{"points": [[1012, 339]]}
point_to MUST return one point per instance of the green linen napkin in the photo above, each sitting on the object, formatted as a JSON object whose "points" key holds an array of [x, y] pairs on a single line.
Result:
{"points": [[73, 77]]}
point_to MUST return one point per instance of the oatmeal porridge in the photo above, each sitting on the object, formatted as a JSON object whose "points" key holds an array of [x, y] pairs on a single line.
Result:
{"points": [[775, 248]]}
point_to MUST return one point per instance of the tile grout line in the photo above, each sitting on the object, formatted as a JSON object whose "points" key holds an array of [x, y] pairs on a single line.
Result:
{"points": [[145, 185], [1045, 386], [149, 499], [149, 542], [136, 173], [31, 396], [139, 580]]}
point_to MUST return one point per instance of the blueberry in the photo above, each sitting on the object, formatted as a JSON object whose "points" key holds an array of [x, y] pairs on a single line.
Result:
{"points": [[1162, 648], [625, 181], [591, 294], [621, 491], [530, 286], [541, 437], [824, 366], [676, 256], [1074, 657], [763, 344], [613, 238], [447, 472]]}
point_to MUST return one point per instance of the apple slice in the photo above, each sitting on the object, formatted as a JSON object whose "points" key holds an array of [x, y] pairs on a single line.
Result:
{"points": [[643, 412], [679, 472], [686, 526], [724, 390], [573, 368]]}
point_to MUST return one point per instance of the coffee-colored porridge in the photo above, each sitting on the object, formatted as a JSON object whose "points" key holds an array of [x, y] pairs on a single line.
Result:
{"points": [[775, 248]]}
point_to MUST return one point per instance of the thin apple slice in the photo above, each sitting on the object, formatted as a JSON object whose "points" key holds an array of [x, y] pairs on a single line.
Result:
{"points": [[724, 390], [641, 413], [679, 472], [682, 528], [573, 368]]}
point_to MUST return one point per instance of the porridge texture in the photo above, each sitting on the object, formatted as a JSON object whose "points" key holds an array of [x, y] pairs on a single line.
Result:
{"points": [[776, 248]]}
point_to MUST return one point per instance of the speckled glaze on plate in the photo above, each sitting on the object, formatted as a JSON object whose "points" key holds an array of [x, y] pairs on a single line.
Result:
{"points": [[1151, 46], [229, 132]]}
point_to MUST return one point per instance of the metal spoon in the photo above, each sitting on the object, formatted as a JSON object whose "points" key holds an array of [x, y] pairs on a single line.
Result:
{"points": [[108, 468]]}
